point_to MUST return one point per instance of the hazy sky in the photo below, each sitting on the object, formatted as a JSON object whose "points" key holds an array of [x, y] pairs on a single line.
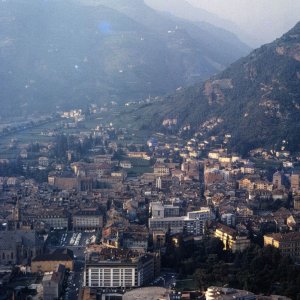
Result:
{"points": [[263, 19]]}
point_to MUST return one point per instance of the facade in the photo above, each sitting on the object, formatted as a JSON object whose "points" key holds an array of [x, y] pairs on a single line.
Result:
{"points": [[19, 246], [193, 223], [49, 262], [88, 219], [221, 293], [174, 224], [287, 243], [95, 170], [231, 239], [161, 169], [53, 283], [158, 210], [44, 161], [55, 219], [295, 182], [64, 182], [135, 242], [297, 202], [118, 268], [277, 180]]}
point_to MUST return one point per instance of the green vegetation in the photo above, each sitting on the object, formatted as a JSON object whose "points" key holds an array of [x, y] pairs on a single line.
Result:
{"points": [[259, 270], [256, 100]]}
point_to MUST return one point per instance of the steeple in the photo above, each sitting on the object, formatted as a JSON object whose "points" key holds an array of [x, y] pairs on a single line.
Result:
{"points": [[16, 211]]}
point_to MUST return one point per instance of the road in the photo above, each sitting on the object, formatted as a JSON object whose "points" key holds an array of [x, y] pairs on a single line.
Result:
{"points": [[75, 241], [75, 281]]}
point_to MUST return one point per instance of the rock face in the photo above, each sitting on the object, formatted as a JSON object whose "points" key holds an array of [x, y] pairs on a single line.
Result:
{"points": [[257, 98], [72, 52]]}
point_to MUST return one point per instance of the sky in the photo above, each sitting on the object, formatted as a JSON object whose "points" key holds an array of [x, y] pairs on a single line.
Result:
{"points": [[263, 20]]}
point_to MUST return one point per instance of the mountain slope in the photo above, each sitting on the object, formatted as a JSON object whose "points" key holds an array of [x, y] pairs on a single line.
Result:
{"points": [[73, 52], [256, 100], [184, 9]]}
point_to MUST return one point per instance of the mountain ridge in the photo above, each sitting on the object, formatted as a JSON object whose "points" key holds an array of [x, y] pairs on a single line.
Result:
{"points": [[256, 100], [66, 53]]}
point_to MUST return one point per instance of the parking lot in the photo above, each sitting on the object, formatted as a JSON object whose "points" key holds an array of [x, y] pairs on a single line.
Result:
{"points": [[69, 239]]}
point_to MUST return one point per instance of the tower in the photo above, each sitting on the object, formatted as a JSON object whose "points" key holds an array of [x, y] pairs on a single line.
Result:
{"points": [[16, 212], [277, 180]]}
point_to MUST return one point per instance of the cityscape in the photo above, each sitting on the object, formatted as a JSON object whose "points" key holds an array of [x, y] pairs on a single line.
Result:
{"points": [[185, 186]]}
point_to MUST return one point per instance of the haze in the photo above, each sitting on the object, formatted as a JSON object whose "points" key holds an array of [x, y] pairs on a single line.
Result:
{"points": [[259, 21]]}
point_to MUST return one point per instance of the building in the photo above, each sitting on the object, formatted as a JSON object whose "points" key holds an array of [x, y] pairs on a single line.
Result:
{"points": [[193, 223], [49, 262], [174, 224], [287, 243], [297, 202], [88, 219], [95, 170], [295, 182], [53, 283], [55, 219], [142, 155], [43, 161], [212, 176], [19, 246], [277, 180], [135, 241], [125, 164], [64, 182], [231, 239], [159, 210], [161, 169], [111, 267], [222, 293], [229, 219]]}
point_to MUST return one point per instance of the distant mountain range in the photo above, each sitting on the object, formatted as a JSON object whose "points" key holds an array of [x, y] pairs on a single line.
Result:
{"points": [[185, 10], [256, 100], [73, 52]]}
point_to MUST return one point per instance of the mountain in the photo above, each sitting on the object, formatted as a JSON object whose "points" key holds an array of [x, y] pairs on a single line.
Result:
{"points": [[256, 100], [184, 9], [73, 52]]}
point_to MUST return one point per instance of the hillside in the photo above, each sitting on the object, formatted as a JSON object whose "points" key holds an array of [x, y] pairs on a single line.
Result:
{"points": [[73, 52], [256, 100], [185, 10]]}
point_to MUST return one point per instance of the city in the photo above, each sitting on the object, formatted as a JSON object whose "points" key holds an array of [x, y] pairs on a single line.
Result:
{"points": [[109, 219], [150, 150]]}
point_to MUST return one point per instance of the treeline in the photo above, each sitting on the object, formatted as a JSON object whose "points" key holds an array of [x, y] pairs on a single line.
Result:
{"points": [[259, 270]]}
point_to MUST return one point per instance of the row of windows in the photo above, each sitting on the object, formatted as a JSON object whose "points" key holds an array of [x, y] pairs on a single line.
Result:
{"points": [[110, 269]]}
